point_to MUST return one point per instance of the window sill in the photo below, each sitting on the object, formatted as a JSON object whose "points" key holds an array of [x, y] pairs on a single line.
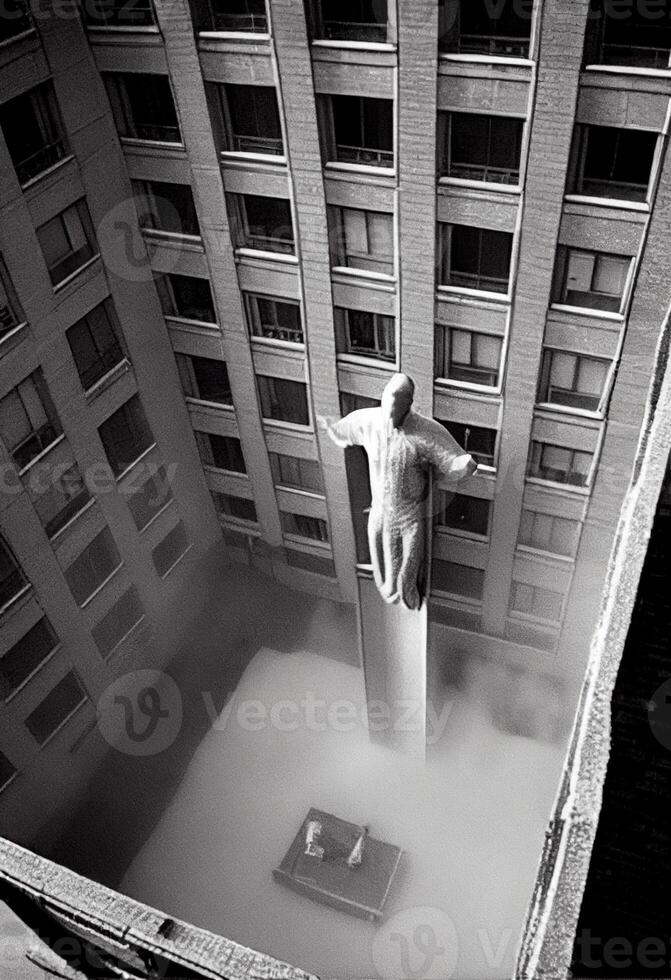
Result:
{"points": [[24, 683], [60, 438], [240, 156], [283, 426], [122, 30], [368, 360], [528, 618], [158, 236], [107, 379], [164, 575], [269, 343], [31, 184], [56, 538], [13, 337], [467, 386], [59, 286], [11, 779], [446, 531], [571, 489], [468, 602], [513, 190], [204, 403], [300, 492], [143, 455], [239, 524], [241, 36], [187, 322], [382, 46], [485, 59], [580, 413], [285, 258], [123, 639], [367, 275], [588, 311], [136, 143], [99, 588], [640, 207], [629, 70], [16, 601], [335, 166], [16, 38], [64, 722], [548, 557], [156, 516], [308, 544], [483, 294]]}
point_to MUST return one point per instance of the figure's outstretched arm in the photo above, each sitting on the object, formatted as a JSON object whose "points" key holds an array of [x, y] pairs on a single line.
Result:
{"points": [[451, 463], [346, 432]]}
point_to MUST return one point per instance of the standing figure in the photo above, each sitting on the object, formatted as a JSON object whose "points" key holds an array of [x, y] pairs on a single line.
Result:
{"points": [[403, 447]]}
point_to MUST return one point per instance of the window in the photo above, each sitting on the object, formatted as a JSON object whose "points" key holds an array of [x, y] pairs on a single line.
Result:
{"points": [[95, 342], [150, 498], [118, 13], [264, 223], [166, 207], [62, 701], [480, 27], [186, 297], [462, 513], [93, 567], [11, 314], [474, 258], [204, 378], [594, 280], [349, 402], [558, 464], [466, 356], [307, 562], [67, 242], [124, 616], [274, 319], [544, 532], [143, 107], [637, 35], [222, 452], [352, 20], [369, 334], [7, 770], [615, 163], [532, 600], [473, 439], [28, 420], [474, 146], [24, 658], [362, 239], [237, 507], [300, 474], [232, 15], [363, 130], [33, 131], [173, 546], [126, 435], [12, 580], [251, 118], [14, 23], [60, 497], [303, 526], [283, 400], [461, 580], [573, 380]]}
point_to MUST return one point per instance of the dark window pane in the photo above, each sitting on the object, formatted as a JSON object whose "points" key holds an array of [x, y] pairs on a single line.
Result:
{"points": [[150, 498], [122, 617], [186, 296], [93, 566], [268, 223], [126, 435], [7, 770], [118, 13], [223, 452], [479, 442], [463, 580], [239, 507], [255, 119], [364, 130], [170, 550], [33, 132], [26, 656], [95, 344], [56, 707], [283, 400], [12, 580], [311, 563], [465, 513]]}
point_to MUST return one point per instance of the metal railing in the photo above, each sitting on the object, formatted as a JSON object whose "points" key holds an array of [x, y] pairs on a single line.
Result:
{"points": [[347, 30], [156, 133], [252, 23], [38, 162], [269, 145], [637, 55], [481, 171], [510, 47], [476, 280], [365, 155]]}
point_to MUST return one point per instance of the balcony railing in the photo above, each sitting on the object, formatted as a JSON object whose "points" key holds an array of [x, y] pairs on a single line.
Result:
{"points": [[268, 243], [343, 30], [157, 133], [34, 444], [477, 280], [40, 161], [365, 155], [268, 145], [510, 47], [250, 23], [14, 23], [639, 56], [482, 171]]}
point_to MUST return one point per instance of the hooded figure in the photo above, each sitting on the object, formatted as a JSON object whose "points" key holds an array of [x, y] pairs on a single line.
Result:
{"points": [[403, 447]]}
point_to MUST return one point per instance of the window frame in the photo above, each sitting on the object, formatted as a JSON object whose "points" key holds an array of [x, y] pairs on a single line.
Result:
{"points": [[443, 357], [8, 693], [47, 115], [165, 287], [291, 523], [343, 257], [578, 158], [467, 600], [560, 288], [91, 562], [255, 322], [136, 401], [245, 238], [445, 249], [384, 329], [566, 484], [525, 546], [275, 146], [187, 369], [109, 311], [49, 433], [545, 382], [532, 617], [443, 527], [90, 246], [264, 383], [23, 582], [178, 529], [12, 305], [66, 718], [275, 459], [380, 160], [445, 163], [256, 26]]}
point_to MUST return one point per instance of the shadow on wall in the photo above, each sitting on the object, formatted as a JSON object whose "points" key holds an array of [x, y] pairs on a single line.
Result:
{"points": [[517, 700]]}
